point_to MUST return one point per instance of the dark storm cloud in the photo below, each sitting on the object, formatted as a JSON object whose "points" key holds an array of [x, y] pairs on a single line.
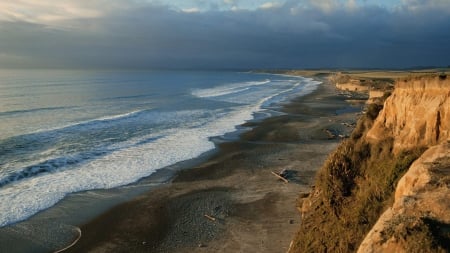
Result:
{"points": [[289, 36]]}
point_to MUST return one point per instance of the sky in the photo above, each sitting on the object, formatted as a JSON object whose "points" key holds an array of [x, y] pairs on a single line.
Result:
{"points": [[224, 34]]}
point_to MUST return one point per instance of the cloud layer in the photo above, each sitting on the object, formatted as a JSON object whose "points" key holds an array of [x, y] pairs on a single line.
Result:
{"points": [[274, 34]]}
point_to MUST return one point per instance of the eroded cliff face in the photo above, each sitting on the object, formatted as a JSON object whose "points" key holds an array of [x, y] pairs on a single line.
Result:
{"points": [[346, 83], [368, 197], [419, 219], [416, 114]]}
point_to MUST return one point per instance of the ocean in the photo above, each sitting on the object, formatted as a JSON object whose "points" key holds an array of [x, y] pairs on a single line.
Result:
{"points": [[69, 131]]}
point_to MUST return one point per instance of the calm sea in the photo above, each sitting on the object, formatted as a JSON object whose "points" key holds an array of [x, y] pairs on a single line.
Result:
{"points": [[69, 131]]}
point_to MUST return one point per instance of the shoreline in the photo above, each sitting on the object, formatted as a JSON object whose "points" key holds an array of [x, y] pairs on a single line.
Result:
{"points": [[80, 207], [234, 186]]}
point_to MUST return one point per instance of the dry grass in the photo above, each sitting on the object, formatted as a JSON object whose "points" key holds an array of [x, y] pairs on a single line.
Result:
{"points": [[368, 75], [418, 233], [380, 74], [392, 74]]}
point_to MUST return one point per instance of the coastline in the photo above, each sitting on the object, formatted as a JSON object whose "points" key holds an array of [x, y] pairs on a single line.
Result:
{"points": [[234, 186]]}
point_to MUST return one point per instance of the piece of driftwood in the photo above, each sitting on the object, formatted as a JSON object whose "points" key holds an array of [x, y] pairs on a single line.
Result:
{"points": [[280, 177], [330, 134], [210, 217]]}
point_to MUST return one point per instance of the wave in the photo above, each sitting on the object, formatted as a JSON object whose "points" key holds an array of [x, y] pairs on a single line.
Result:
{"points": [[227, 89], [59, 164], [130, 97], [49, 166], [43, 138], [40, 189], [98, 133], [109, 171], [92, 121], [34, 110]]}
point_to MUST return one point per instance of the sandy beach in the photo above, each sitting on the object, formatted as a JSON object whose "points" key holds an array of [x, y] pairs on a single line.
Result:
{"points": [[232, 202], [224, 126]]}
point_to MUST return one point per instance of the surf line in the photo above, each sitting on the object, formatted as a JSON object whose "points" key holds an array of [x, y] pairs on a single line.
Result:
{"points": [[73, 243]]}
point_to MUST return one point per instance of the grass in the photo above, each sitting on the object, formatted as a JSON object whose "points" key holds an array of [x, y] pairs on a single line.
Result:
{"points": [[360, 74], [418, 233]]}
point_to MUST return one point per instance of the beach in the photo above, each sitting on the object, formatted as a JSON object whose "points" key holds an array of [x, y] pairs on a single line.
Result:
{"points": [[224, 126], [232, 202]]}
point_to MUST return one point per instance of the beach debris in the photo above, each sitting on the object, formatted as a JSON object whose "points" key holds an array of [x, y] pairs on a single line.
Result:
{"points": [[286, 173], [349, 124], [331, 135], [210, 217], [343, 136], [278, 175]]}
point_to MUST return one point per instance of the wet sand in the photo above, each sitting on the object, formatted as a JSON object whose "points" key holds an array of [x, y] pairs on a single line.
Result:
{"points": [[251, 209]]}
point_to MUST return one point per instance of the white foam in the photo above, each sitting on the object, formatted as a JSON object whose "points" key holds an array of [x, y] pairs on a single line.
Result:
{"points": [[84, 122], [226, 89], [24, 198], [27, 197], [180, 118], [39, 128]]}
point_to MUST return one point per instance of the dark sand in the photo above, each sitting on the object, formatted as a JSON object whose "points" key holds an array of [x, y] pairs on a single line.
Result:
{"points": [[253, 210]]}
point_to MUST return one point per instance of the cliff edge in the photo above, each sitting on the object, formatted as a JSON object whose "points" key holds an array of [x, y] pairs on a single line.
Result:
{"points": [[369, 196], [416, 114]]}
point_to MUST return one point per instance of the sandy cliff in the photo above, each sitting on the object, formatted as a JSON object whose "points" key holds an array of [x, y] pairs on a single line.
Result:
{"points": [[376, 89], [417, 114], [420, 215], [345, 82], [368, 196]]}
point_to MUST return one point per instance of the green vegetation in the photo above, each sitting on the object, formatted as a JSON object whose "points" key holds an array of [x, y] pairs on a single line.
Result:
{"points": [[352, 189]]}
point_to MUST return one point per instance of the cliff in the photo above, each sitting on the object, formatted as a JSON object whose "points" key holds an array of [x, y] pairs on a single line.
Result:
{"points": [[375, 88], [370, 175], [345, 82], [419, 219], [416, 114]]}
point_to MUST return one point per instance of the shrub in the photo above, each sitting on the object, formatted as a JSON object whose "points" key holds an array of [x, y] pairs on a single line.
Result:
{"points": [[373, 110]]}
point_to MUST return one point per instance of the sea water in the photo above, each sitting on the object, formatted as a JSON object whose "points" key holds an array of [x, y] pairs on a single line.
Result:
{"points": [[64, 131]]}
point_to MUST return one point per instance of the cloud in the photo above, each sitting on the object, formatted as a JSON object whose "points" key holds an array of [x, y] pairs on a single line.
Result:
{"points": [[325, 5], [270, 5], [425, 5], [44, 11], [294, 34], [351, 4], [191, 10]]}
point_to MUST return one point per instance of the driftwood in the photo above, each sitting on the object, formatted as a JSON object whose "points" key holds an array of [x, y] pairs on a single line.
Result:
{"points": [[280, 177], [210, 217], [330, 134]]}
